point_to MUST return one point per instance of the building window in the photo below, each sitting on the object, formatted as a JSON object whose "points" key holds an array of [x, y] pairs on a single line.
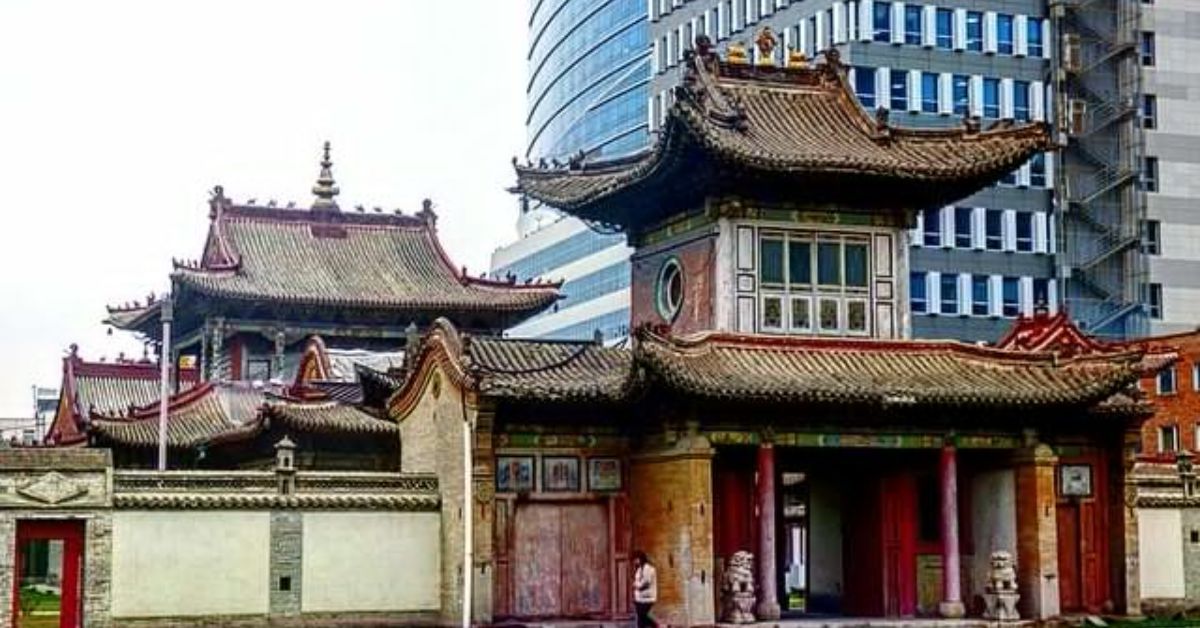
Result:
{"points": [[670, 290], [1150, 174], [882, 21], [1166, 381], [981, 295], [1151, 237], [1037, 170], [962, 94], [949, 289], [991, 98], [864, 86], [929, 92], [1154, 300], [1004, 34], [1147, 49], [1021, 100], [1149, 111], [899, 91], [975, 31], [933, 228], [945, 29], [912, 24], [1011, 288], [1041, 291], [962, 227], [801, 270], [1168, 439], [917, 291], [1196, 377], [1025, 232], [258, 370], [1033, 37], [994, 230]]}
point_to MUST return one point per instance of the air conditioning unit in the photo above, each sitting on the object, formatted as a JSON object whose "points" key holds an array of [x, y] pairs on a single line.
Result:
{"points": [[1076, 116], [1072, 52]]}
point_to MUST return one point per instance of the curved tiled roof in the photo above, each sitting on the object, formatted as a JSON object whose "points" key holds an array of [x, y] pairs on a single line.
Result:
{"points": [[881, 373], [331, 258], [192, 420], [794, 134], [549, 370]]}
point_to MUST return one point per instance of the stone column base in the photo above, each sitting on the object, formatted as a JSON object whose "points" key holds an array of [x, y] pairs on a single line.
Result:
{"points": [[767, 611], [952, 610]]}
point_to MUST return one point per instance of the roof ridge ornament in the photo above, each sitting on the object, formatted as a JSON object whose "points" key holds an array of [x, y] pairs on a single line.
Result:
{"points": [[765, 42], [326, 188]]}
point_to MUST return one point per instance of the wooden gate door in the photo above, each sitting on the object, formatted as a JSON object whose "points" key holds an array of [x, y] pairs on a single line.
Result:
{"points": [[862, 560], [70, 611], [1082, 517], [561, 560], [898, 497]]}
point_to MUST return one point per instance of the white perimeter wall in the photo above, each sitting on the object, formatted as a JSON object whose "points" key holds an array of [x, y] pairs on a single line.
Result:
{"points": [[1160, 552], [191, 562], [371, 561]]}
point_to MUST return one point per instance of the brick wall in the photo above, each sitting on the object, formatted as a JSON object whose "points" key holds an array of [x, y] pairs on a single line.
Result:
{"points": [[1182, 408], [671, 515], [697, 257]]}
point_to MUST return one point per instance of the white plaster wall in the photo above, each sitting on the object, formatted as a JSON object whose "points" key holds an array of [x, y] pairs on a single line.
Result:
{"points": [[1160, 552], [371, 561], [825, 539], [993, 521], [184, 563]]}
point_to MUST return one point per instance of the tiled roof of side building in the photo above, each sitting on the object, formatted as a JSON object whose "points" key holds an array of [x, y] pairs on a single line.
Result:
{"points": [[526, 370], [880, 373], [105, 388], [798, 129], [213, 414]]}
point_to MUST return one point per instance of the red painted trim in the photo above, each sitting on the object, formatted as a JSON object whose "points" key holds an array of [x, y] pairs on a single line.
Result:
{"points": [[235, 358], [72, 535]]}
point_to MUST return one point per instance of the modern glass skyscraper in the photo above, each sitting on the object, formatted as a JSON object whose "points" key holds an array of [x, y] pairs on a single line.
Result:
{"points": [[589, 75]]}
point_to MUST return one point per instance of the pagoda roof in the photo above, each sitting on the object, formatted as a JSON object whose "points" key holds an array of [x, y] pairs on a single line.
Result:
{"points": [[773, 369], [788, 134], [325, 257], [91, 388]]}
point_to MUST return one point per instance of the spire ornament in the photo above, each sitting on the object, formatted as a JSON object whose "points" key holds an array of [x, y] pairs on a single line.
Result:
{"points": [[326, 187]]}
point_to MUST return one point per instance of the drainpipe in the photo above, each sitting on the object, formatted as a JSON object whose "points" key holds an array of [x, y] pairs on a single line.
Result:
{"points": [[164, 360], [468, 515]]}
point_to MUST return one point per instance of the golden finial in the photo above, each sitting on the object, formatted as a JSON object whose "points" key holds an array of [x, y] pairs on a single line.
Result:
{"points": [[766, 46], [325, 189], [736, 54], [797, 59]]}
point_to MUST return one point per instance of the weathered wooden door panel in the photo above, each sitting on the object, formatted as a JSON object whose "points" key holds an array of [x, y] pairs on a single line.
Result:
{"points": [[899, 536], [503, 581], [585, 555], [1068, 558], [537, 561], [862, 550]]}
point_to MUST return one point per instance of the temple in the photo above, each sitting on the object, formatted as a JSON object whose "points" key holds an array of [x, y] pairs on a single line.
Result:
{"points": [[771, 437], [293, 322]]}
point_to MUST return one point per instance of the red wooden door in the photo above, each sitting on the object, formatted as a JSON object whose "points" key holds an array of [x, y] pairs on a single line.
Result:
{"points": [[71, 534], [1084, 583], [1069, 590], [899, 538], [561, 561]]}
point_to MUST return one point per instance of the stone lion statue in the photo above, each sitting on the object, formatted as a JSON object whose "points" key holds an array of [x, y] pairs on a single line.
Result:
{"points": [[1001, 590], [737, 591]]}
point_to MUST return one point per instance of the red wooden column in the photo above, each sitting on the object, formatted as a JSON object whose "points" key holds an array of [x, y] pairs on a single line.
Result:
{"points": [[764, 498], [952, 604]]}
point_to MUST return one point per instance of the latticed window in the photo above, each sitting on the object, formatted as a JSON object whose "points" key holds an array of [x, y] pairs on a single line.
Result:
{"points": [[813, 282]]}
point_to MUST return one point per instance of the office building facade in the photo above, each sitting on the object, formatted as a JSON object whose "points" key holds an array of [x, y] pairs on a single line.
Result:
{"points": [[588, 86]]}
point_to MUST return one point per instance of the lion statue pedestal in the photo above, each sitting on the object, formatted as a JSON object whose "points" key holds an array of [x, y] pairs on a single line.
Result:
{"points": [[1001, 591], [737, 591]]}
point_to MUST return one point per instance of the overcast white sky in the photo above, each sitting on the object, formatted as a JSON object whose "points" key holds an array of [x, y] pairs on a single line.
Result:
{"points": [[117, 117]]}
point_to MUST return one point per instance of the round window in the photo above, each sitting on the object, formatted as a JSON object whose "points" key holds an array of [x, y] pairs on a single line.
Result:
{"points": [[670, 289]]}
